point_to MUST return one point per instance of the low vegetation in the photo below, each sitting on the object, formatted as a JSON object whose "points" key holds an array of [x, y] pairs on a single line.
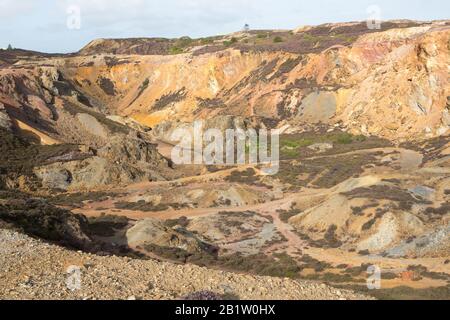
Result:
{"points": [[168, 99], [182, 222], [403, 292], [248, 177], [79, 198], [107, 86], [39, 218], [106, 225], [141, 89], [144, 206], [285, 215], [324, 172], [278, 39], [403, 198], [20, 157], [329, 240], [294, 146], [279, 265]]}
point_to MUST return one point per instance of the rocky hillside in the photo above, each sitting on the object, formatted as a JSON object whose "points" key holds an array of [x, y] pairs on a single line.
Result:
{"points": [[32, 269], [399, 74], [364, 175], [343, 73]]}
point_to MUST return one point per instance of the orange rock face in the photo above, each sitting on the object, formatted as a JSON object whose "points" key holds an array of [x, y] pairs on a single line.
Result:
{"points": [[392, 83]]}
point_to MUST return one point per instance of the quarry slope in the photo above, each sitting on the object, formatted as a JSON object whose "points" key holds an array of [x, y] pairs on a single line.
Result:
{"points": [[391, 83], [364, 175], [32, 269]]}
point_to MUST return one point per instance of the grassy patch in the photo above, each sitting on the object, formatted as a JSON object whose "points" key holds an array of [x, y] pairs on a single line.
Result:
{"points": [[144, 206], [404, 293], [278, 39], [175, 50], [77, 199], [323, 172], [230, 42], [248, 177], [404, 199], [422, 272], [280, 265], [295, 146], [311, 38], [438, 212], [308, 262], [359, 211], [329, 240], [333, 278]]}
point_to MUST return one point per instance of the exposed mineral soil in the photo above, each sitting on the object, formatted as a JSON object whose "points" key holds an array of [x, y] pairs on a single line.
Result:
{"points": [[364, 179]]}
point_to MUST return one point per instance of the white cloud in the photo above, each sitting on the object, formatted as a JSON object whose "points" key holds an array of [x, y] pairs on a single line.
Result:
{"points": [[41, 24], [11, 8], [160, 18]]}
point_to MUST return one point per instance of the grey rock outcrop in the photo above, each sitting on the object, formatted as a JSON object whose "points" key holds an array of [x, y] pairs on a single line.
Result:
{"points": [[5, 120], [154, 232]]}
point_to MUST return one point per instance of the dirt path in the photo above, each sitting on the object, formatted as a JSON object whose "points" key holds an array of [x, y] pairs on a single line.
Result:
{"points": [[407, 159], [294, 243]]}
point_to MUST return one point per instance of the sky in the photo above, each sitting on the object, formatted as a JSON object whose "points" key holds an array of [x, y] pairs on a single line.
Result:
{"points": [[67, 25]]}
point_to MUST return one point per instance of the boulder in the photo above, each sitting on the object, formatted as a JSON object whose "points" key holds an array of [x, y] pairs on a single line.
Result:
{"points": [[5, 120], [321, 147], [153, 232], [54, 178], [131, 149], [92, 125]]}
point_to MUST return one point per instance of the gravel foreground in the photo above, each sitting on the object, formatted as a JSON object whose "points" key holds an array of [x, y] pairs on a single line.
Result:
{"points": [[33, 269]]}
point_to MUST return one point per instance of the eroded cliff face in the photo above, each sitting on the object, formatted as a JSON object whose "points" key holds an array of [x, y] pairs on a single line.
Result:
{"points": [[101, 120], [393, 83]]}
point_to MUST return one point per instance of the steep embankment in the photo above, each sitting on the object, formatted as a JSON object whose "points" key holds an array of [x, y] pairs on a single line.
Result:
{"points": [[392, 83]]}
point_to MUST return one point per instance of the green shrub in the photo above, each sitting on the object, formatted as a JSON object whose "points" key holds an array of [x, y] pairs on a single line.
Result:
{"points": [[311, 38], [344, 138], [175, 50], [278, 39], [230, 42], [205, 41]]}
